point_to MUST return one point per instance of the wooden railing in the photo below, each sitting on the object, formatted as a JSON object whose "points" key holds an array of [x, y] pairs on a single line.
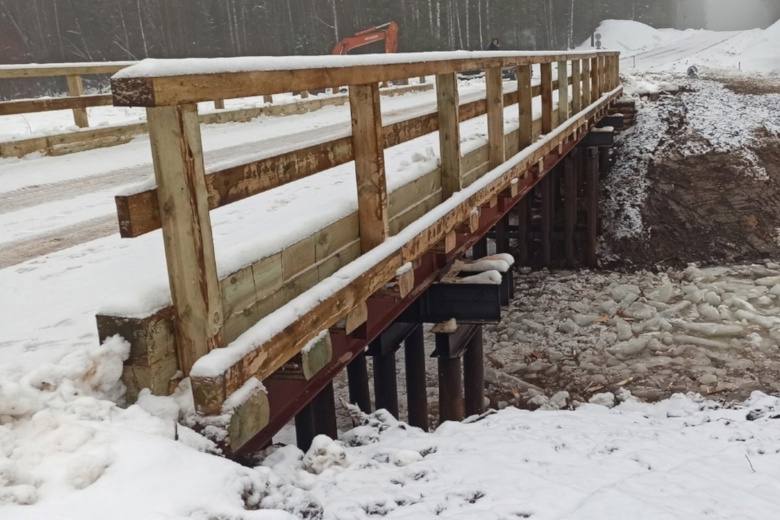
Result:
{"points": [[209, 313], [76, 100]]}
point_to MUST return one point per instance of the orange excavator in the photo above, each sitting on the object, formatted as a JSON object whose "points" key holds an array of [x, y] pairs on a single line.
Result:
{"points": [[387, 32]]}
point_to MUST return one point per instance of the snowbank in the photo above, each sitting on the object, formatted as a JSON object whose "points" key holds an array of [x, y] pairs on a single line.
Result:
{"points": [[685, 457], [645, 48], [630, 37]]}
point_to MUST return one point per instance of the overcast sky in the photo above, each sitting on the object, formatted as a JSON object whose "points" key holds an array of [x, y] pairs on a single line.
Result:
{"points": [[740, 14]]}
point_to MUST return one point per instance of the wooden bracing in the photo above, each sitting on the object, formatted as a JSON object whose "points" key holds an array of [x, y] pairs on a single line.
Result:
{"points": [[210, 313]]}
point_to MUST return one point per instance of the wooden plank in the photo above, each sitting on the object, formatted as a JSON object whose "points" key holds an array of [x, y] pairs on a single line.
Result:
{"points": [[177, 154], [368, 148], [74, 102], [447, 102], [595, 92], [525, 106], [495, 117], [563, 91], [547, 98], [141, 90], [576, 86], [44, 70], [586, 78]]}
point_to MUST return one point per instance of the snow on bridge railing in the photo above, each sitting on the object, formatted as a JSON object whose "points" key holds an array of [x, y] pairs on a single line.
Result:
{"points": [[76, 100], [224, 332], [72, 72]]}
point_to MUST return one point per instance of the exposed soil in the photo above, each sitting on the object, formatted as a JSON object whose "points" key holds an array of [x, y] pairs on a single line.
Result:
{"points": [[709, 207], [704, 209], [753, 86]]}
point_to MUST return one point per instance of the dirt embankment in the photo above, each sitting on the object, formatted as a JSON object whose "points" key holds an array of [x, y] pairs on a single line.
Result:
{"points": [[711, 183]]}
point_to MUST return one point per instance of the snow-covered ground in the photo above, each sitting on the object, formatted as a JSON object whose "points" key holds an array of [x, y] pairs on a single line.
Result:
{"points": [[646, 49], [67, 450]]}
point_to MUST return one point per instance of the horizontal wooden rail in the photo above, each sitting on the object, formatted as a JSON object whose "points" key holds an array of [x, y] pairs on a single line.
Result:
{"points": [[139, 213], [163, 82], [48, 70], [24, 106]]}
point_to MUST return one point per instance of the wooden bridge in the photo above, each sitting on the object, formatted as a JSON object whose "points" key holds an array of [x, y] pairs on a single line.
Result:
{"points": [[263, 344]]}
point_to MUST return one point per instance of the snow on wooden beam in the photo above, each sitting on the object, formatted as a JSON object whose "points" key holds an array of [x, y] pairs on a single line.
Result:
{"points": [[171, 82]]}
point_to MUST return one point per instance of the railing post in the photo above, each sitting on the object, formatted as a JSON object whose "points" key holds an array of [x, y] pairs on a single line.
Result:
{"points": [[547, 98], [177, 153], [368, 147], [76, 88], [219, 104], [525, 97], [495, 117], [616, 71], [576, 86], [595, 93], [448, 101], [563, 91], [586, 77]]}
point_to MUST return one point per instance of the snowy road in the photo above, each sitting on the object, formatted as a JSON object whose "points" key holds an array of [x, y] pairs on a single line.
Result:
{"points": [[51, 203]]}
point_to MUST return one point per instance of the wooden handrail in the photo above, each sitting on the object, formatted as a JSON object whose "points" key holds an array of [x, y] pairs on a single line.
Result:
{"points": [[25, 106], [48, 70], [76, 100], [172, 82], [138, 213]]}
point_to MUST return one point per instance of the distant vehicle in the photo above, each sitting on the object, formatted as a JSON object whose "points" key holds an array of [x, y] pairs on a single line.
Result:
{"points": [[387, 32]]}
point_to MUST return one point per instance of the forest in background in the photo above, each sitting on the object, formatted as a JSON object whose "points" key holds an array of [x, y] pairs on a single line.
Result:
{"points": [[99, 30]]}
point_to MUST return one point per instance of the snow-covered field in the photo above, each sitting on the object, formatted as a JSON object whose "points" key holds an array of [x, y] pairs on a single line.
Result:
{"points": [[67, 450]]}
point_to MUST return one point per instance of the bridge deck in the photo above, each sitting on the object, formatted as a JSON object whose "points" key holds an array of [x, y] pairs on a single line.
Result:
{"points": [[351, 277]]}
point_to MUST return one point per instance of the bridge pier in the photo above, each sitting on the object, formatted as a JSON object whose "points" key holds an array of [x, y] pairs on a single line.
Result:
{"points": [[357, 377], [461, 370], [316, 418], [416, 388], [385, 383]]}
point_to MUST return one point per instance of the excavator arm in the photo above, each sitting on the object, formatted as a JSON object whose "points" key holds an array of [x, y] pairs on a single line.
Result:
{"points": [[387, 32]]}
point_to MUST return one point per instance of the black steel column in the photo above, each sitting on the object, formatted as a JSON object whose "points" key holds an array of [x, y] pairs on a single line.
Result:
{"points": [[570, 205], [474, 375], [304, 427], [416, 391], [480, 249], [385, 386], [324, 410], [357, 375], [451, 405], [522, 231], [592, 205]]}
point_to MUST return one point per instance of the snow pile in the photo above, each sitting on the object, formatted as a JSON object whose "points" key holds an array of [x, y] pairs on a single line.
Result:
{"points": [[715, 330], [630, 37], [645, 48], [68, 451], [639, 460]]}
